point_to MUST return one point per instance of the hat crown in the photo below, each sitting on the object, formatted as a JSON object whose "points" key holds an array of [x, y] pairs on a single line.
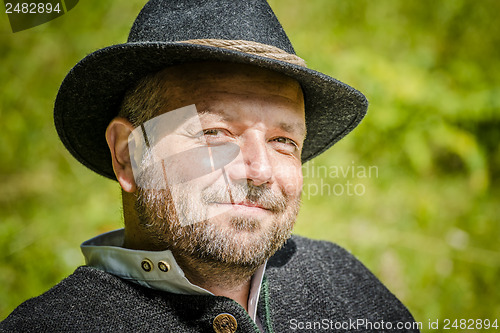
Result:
{"points": [[181, 20]]}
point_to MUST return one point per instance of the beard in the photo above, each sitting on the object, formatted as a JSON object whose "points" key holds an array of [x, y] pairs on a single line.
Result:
{"points": [[228, 240]]}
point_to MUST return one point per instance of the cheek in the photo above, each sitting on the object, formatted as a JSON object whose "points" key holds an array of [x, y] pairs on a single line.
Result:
{"points": [[189, 165], [289, 178]]}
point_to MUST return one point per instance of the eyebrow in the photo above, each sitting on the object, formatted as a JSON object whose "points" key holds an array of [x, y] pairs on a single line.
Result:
{"points": [[295, 128], [223, 115]]}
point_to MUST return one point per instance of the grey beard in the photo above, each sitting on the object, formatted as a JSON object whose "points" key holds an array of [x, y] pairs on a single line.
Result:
{"points": [[208, 242]]}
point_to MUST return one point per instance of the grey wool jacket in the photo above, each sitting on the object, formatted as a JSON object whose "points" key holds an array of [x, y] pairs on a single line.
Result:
{"points": [[308, 286]]}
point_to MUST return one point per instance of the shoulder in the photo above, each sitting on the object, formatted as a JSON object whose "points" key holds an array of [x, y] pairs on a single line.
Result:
{"points": [[86, 292], [331, 267], [327, 282], [312, 255]]}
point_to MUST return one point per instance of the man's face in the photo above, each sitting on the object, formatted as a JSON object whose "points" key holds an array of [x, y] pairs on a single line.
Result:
{"points": [[249, 124]]}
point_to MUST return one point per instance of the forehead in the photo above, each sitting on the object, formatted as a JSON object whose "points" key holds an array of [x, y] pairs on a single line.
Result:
{"points": [[199, 82]]}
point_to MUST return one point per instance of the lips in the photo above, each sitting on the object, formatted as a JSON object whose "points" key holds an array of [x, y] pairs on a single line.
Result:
{"points": [[245, 195], [250, 204], [243, 204], [246, 206]]}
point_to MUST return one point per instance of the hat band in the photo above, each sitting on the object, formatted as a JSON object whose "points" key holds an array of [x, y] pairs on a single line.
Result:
{"points": [[250, 47]]}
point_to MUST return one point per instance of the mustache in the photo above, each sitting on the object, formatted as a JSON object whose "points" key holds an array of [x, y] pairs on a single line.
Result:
{"points": [[261, 196], [151, 177]]}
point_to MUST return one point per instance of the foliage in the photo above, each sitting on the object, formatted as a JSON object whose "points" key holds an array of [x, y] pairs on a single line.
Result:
{"points": [[427, 221]]}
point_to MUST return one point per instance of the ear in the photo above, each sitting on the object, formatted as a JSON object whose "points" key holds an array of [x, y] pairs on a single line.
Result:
{"points": [[117, 137]]}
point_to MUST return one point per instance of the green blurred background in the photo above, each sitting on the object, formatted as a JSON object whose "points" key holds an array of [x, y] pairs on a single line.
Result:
{"points": [[425, 220]]}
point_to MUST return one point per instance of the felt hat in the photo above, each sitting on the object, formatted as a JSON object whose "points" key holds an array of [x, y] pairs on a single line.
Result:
{"points": [[172, 32]]}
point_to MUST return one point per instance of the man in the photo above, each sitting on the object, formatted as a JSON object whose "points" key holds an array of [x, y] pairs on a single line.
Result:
{"points": [[204, 118]]}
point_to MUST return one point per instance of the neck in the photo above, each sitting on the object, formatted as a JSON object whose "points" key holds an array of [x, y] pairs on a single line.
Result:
{"points": [[219, 278]]}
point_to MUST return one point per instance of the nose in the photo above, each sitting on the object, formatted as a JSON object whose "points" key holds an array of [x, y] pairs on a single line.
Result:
{"points": [[254, 162]]}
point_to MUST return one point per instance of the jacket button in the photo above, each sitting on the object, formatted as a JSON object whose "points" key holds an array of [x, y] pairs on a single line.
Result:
{"points": [[163, 266], [147, 265], [225, 323]]}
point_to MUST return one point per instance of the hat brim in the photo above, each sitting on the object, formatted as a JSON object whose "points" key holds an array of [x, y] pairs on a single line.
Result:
{"points": [[91, 94]]}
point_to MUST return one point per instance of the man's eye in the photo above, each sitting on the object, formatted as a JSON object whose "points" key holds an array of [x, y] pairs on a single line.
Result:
{"points": [[285, 141], [285, 144], [211, 132], [214, 136]]}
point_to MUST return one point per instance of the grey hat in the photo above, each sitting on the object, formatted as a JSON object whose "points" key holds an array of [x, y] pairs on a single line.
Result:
{"points": [[91, 94]]}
